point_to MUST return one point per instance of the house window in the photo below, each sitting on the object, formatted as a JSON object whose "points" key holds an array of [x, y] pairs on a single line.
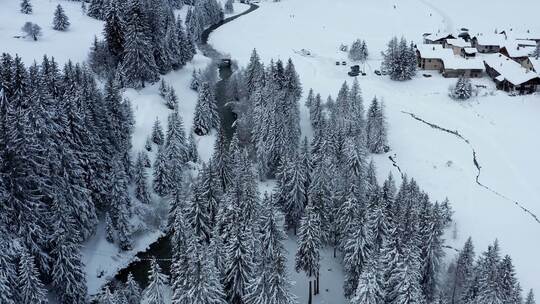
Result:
{"points": [[429, 60]]}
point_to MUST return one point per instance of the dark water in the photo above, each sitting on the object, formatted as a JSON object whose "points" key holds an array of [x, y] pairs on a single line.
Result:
{"points": [[161, 249]]}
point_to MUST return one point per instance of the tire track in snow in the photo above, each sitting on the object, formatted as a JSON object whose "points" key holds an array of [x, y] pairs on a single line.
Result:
{"points": [[475, 162]]}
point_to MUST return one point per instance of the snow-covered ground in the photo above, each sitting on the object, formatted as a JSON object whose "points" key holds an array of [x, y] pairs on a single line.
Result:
{"points": [[74, 44], [502, 129]]}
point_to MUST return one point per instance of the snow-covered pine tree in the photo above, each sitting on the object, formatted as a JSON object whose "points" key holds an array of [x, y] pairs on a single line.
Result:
{"points": [[464, 268], [26, 7], [238, 266], [229, 7], [309, 242], [120, 205], [132, 291], [171, 100], [68, 278], [185, 42], [206, 115], [162, 182], [221, 160], [210, 191], [158, 137], [530, 298], [292, 191], [61, 20], [113, 30], [376, 129], [399, 60], [155, 292], [109, 228], [462, 90], [254, 74], [508, 282], [356, 254], [97, 9], [138, 64], [31, 289], [176, 149], [358, 51], [192, 148], [197, 214], [370, 286], [8, 270], [141, 180], [489, 284]]}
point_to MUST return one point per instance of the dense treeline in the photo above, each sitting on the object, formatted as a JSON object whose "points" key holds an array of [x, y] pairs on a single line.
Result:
{"points": [[144, 38], [64, 145]]}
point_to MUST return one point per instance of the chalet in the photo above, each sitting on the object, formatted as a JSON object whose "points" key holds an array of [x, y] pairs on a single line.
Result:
{"points": [[519, 54], [457, 45], [438, 38], [488, 43], [510, 76], [436, 57]]}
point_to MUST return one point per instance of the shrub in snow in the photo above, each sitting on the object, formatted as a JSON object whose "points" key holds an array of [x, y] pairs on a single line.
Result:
{"points": [[33, 30], [462, 90], [26, 7], [60, 21], [358, 51]]}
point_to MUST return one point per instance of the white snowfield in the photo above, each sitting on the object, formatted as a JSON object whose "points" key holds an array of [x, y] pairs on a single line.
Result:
{"points": [[502, 130]]}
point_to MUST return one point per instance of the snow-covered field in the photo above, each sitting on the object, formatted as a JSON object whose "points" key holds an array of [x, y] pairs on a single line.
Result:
{"points": [[73, 44], [502, 129]]}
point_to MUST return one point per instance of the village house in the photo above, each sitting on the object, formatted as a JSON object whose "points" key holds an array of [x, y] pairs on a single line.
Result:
{"points": [[519, 54], [457, 45], [488, 43], [439, 38], [436, 57], [510, 76]]}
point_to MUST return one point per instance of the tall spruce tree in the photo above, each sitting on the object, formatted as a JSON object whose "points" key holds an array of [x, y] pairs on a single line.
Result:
{"points": [[60, 21], [138, 64], [155, 292]]}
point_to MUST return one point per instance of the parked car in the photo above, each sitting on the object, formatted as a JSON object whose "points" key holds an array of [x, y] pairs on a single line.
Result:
{"points": [[426, 75], [353, 74], [364, 74], [377, 72], [337, 62], [344, 62]]}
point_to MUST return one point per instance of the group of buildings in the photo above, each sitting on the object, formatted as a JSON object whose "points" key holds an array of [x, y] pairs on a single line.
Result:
{"points": [[506, 57]]}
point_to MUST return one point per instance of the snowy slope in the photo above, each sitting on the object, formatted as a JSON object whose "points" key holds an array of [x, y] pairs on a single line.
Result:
{"points": [[502, 129]]}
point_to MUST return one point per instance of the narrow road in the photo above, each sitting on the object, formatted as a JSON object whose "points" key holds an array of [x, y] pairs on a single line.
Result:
{"points": [[476, 164]]}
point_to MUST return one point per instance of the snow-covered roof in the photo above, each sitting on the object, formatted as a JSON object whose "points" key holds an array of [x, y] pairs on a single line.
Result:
{"points": [[470, 50], [459, 42], [525, 42], [491, 39], [517, 51], [508, 69], [450, 61], [438, 36]]}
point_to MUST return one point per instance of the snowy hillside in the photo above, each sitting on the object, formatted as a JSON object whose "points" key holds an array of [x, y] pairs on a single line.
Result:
{"points": [[501, 129]]}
